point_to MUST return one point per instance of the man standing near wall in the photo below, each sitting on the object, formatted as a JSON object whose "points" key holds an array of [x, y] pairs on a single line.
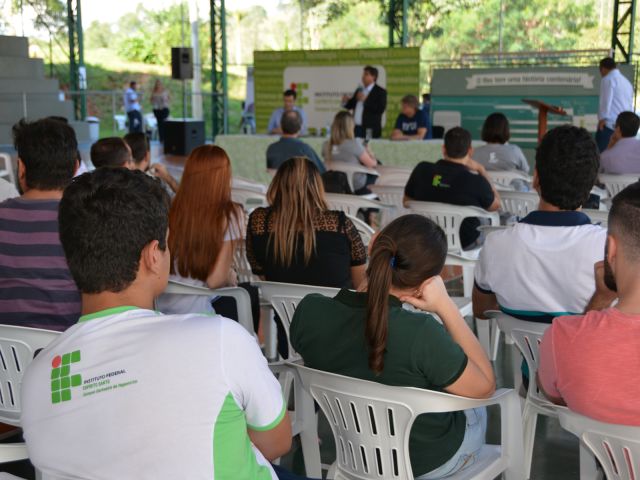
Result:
{"points": [[616, 96], [368, 103]]}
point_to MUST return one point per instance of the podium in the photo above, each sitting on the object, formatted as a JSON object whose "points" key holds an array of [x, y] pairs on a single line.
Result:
{"points": [[543, 111]]}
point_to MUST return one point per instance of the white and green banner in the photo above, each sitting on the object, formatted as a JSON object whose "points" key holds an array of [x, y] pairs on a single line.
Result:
{"points": [[322, 77]]}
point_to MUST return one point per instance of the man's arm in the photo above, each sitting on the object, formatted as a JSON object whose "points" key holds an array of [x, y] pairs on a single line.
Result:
{"points": [[351, 103], [606, 98], [547, 374], [274, 124], [161, 172], [273, 443], [376, 102]]}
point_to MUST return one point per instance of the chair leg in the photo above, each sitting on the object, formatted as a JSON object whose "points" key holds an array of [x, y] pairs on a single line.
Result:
{"points": [[311, 450], [332, 471], [530, 420], [495, 340], [467, 280], [588, 467], [483, 327]]}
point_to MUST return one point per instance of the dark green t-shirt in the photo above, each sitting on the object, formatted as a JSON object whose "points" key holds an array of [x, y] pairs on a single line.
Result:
{"points": [[329, 334]]}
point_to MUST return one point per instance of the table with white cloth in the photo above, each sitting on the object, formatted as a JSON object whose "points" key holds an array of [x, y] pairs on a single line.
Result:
{"points": [[248, 152]]}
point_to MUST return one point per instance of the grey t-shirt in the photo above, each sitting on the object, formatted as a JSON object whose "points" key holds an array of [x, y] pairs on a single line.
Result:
{"points": [[348, 151], [494, 156]]}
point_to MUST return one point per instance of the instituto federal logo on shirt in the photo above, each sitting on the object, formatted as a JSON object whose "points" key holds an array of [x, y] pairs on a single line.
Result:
{"points": [[61, 379], [64, 381]]}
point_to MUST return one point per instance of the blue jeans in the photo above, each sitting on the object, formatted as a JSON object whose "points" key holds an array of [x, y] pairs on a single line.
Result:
{"points": [[466, 455], [135, 121], [602, 138], [286, 474]]}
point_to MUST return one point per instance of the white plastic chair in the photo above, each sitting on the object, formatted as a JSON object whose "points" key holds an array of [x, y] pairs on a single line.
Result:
{"points": [[249, 199], [350, 169], [527, 336], [371, 423], [241, 296], [597, 216], [121, 122], [6, 171], [248, 184], [17, 348], [350, 204], [519, 204], [505, 177], [151, 123], [617, 447], [392, 195], [615, 183], [447, 119], [392, 176], [365, 231]]}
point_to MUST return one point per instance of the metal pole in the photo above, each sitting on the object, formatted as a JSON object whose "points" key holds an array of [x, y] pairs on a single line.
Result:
{"points": [[184, 93], [72, 56], [214, 75], [632, 30], [83, 97], [392, 22], [500, 27], [405, 28], [225, 96], [113, 107], [301, 24]]}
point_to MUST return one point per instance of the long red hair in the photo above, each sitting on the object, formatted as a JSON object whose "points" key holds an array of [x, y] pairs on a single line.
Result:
{"points": [[201, 212]]}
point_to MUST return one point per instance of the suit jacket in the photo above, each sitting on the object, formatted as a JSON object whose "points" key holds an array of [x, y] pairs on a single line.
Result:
{"points": [[374, 106]]}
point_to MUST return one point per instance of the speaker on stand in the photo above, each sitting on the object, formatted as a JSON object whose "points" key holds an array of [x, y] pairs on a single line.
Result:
{"points": [[182, 134]]}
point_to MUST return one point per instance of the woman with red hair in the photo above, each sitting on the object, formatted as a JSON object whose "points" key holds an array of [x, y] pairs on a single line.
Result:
{"points": [[204, 228]]}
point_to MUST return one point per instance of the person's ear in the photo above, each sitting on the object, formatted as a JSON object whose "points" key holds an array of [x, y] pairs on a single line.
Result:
{"points": [[612, 249], [470, 152], [22, 175], [444, 151], [535, 182], [151, 258]]}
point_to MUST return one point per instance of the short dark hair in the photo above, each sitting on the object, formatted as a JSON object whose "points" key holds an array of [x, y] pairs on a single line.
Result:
{"points": [[373, 71], [495, 129], [624, 219], [106, 217], [608, 63], [411, 101], [629, 123], [133, 83], [110, 152], [48, 149], [290, 122], [139, 144], [457, 142], [426, 97], [290, 93], [567, 162]]}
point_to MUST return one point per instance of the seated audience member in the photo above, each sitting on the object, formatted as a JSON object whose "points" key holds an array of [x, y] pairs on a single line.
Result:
{"points": [[205, 227], [289, 100], [36, 287], [369, 335], [411, 123], [141, 155], [542, 267], [344, 147], [497, 154], [585, 361], [299, 240], [456, 180], [290, 145], [111, 152], [7, 190], [622, 156], [188, 376]]}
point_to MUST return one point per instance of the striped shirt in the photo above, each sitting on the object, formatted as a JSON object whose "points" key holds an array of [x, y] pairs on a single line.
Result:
{"points": [[36, 287]]}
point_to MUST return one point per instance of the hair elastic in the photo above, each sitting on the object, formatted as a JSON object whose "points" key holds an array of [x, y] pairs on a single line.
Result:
{"points": [[392, 262]]}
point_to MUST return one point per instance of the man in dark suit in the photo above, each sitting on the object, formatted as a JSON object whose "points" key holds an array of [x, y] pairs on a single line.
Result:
{"points": [[368, 103]]}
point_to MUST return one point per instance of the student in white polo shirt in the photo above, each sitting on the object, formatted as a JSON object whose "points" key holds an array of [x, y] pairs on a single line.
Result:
{"points": [[542, 267], [127, 392]]}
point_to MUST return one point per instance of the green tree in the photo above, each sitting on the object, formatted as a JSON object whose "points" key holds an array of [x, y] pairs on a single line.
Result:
{"points": [[98, 35]]}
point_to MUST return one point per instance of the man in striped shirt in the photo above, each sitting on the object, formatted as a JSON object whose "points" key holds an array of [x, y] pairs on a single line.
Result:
{"points": [[36, 287]]}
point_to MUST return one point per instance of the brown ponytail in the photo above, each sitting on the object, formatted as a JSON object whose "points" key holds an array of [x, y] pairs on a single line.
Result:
{"points": [[408, 251]]}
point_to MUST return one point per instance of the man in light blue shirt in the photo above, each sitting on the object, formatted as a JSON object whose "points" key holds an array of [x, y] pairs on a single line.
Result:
{"points": [[289, 100], [623, 154], [616, 96], [133, 109]]}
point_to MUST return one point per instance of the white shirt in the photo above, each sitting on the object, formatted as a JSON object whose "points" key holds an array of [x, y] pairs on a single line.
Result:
{"points": [[359, 110], [151, 397], [7, 190], [542, 266], [616, 96], [131, 100]]}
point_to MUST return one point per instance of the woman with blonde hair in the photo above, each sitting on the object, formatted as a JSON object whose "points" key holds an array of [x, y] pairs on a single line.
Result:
{"points": [[342, 146], [205, 227], [297, 239]]}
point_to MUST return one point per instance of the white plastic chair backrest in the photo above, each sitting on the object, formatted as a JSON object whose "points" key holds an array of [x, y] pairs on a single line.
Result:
{"points": [[371, 422], [389, 194], [285, 297], [151, 121], [17, 348], [617, 447], [248, 184], [450, 217], [350, 170], [249, 199], [393, 177], [505, 177], [241, 296], [598, 216], [447, 119], [121, 121], [615, 183], [365, 231], [6, 171], [519, 204], [350, 204], [527, 337]]}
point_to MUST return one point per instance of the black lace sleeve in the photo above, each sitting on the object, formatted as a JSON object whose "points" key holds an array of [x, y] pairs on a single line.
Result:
{"points": [[255, 225]]}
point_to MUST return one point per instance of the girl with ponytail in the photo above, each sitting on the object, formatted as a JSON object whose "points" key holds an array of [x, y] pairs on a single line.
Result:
{"points": [[369, 335]]}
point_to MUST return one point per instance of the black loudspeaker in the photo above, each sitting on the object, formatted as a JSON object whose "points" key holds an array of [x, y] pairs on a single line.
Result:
{"points": [[182, 136], [181, 63]]}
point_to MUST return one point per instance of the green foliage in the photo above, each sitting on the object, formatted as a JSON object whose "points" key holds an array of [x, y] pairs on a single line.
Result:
{"points": [[98, 35]]}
